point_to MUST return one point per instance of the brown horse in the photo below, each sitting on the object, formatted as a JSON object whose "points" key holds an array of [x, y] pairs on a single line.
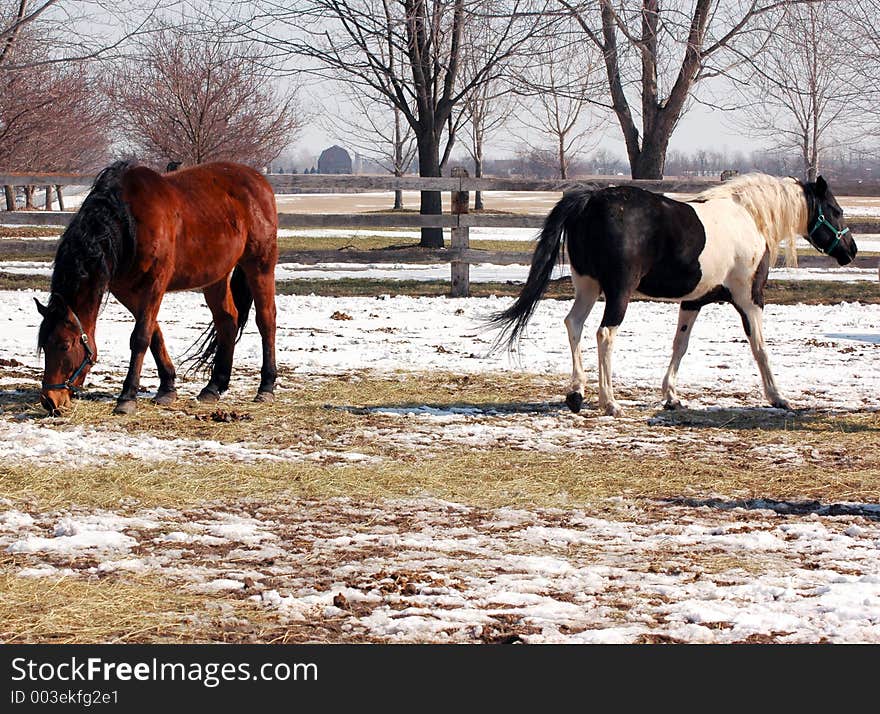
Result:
{"points": [[140, 234]]}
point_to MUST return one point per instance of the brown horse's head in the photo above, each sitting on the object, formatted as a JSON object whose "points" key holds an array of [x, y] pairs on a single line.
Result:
{"points": [[70, 353]]}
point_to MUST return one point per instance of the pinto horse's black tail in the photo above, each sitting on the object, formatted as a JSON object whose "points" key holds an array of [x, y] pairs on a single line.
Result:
{"points": [[201, 355], [514, 319]]}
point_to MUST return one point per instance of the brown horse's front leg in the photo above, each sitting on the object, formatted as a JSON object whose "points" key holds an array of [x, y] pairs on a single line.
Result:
{"points": [[140, 341], [167, 393]]}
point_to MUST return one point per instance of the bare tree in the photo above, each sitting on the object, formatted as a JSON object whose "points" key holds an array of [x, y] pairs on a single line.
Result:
{"points": [[487, 108], [52, 114], [374, 127], [409, 51], [558, 93], [190, 95], [52, 120], [798, 93], [80, 30], [863, 59], [659, 54]]}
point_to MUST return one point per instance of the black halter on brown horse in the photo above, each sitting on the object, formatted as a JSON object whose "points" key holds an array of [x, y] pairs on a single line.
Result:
{"points": [[140, 234]]}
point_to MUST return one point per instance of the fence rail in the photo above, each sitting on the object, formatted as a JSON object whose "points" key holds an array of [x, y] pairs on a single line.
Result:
{"points": [[459, 255], [334, 183]]}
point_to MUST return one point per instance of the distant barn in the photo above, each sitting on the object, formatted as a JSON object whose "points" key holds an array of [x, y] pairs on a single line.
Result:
{"points": [[334, 160]]}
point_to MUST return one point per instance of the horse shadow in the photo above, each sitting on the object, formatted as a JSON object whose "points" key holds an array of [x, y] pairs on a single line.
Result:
{"points": [[871, 511], [454, 408], [870, 338], [25, 403], [761, 419], [729, 418]]}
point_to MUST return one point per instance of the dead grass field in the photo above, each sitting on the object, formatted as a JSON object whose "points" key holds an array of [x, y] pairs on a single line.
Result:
{"points": [[705, 452], [742, 453]]}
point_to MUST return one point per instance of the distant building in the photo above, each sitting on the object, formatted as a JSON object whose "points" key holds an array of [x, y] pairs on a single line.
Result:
{"points": [[334, 160]]}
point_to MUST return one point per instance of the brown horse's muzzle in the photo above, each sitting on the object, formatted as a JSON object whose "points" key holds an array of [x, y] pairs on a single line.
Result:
{"points": [[55, 401]]}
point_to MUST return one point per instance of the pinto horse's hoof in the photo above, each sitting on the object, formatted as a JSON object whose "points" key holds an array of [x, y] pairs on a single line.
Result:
{"points": [[208, 396], [574, 400], [673, 404], [613, 409], [128, 406], [163, 399], [265, 397]]}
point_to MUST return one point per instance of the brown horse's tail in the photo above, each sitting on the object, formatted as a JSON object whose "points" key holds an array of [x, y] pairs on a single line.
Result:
{"points": [[200, 356]]}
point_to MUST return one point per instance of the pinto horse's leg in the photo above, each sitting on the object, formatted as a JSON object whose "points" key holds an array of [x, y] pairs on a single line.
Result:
{"points": [[586, 292], [753, 323], [686, 320], [261, 281], [225, 314], [141, 336], [167, 392], [616, 303]]}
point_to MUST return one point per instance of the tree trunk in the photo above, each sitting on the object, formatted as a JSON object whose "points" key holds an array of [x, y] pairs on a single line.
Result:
{"points": [[60, 198], [805, 156], [431, 203], [650, 162], [398, 159], [563, 168], [48, 198], [10, 197], [29, 197], [478, 173]]}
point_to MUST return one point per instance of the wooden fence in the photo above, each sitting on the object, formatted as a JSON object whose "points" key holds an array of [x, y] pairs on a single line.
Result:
{"points": [[459, 255]]}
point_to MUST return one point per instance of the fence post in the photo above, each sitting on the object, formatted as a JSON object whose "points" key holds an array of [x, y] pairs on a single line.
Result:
{"points": [[461, 279]]}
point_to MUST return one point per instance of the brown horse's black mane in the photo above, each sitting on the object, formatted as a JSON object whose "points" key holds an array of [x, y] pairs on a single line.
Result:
{"points": [[100, 240]]}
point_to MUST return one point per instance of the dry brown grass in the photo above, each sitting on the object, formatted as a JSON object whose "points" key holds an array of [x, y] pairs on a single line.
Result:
{"points": [[695, 466], [30, 231], [73, 610]]}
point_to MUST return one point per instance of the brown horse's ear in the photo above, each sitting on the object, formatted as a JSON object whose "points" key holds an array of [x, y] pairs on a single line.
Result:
{"points": [[42, 309], [821, 187]]}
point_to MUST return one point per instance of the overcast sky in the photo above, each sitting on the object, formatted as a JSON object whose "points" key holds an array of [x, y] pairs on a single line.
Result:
{"points": [[700, 128]]}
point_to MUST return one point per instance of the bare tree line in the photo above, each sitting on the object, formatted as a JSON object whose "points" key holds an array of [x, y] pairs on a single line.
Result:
{"points": [[413, 81]]}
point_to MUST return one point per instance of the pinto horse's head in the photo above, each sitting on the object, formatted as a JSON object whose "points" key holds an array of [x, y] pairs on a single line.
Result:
{"points": [[70, 353], [826, 229]]}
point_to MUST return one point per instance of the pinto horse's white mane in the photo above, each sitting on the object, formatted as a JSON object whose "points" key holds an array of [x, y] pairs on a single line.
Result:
{"points": [[777, 205]]}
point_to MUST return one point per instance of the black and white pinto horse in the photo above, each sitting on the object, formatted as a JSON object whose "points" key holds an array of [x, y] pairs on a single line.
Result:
{"points": [[717, 247]]}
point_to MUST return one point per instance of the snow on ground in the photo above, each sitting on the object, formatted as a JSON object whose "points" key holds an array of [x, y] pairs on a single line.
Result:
{"points": [[479, 272], [427, 570], [387, 334], [48, 443], [406, 333], [485, 272]]}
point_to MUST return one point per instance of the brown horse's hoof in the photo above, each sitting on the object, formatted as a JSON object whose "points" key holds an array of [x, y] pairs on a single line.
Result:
{"points": [[129, 406], [163, 399], [574, 400], [673, 405], [265, 397], [208, 396]]}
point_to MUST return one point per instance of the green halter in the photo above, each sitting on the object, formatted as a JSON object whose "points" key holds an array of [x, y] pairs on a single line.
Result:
{"points": [[838, 234]]}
